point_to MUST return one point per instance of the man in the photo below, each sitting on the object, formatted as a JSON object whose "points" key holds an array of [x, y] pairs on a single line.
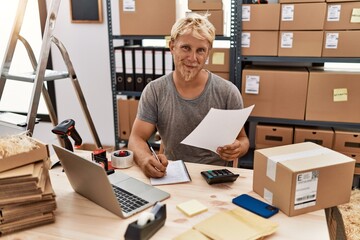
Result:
{"points": [[176, 103]]}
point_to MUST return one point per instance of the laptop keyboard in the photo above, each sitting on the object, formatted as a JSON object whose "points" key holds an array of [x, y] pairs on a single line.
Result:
{"points": [[127, 200]]}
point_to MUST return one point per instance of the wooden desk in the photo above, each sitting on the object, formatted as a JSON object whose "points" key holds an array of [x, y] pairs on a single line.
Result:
{"points": [[79, 218]]}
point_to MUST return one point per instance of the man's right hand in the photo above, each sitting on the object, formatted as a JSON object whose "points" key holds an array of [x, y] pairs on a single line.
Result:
{"points": [[152, 167]]}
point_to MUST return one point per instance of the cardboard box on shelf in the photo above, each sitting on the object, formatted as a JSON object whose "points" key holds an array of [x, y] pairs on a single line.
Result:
{"points": [[333, 95], [299, 178], [342, 16], [341, 44], [276, 92], [219, 60], [205, 4], [261, 16], [141, 18], [319, 135], [259, 43], [273, 135], [356, 157], [216, 17], [302, 16], [300, 43], [347, 141]]}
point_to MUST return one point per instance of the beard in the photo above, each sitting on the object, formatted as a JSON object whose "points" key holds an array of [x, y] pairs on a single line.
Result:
{"points": [[189, 73]]}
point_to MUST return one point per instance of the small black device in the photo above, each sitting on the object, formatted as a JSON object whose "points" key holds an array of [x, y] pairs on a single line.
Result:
{"points": [[255, 205], [219, 176], [67, 128]]}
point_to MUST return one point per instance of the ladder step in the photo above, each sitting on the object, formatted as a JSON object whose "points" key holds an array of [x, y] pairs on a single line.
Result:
{"points": [[50, 75], [9, 118]]}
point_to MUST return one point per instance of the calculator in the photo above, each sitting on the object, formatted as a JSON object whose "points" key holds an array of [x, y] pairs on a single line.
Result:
{"points": [[219, 176]]}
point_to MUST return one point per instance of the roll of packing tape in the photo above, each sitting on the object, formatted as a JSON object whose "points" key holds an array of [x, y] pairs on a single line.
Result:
{"points": [[122, 159]]}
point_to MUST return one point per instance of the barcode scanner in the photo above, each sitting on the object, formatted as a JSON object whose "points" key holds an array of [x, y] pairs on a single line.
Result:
{"points": [[67, 128]]}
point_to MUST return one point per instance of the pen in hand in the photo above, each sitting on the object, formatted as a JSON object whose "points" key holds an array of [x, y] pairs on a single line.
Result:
{"points": [[153, 153]]}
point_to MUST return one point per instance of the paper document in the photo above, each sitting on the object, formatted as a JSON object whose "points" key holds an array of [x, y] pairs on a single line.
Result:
{"points": [[219, 127], [176, 172]]}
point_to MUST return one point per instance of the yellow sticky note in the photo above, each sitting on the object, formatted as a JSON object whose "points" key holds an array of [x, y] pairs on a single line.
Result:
{"points": [[355, 15], [340, 95], [218, 58], [191, 207]]}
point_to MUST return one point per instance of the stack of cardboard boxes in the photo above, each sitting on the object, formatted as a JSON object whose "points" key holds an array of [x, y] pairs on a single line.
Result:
{"points": [[302, 29], [212, 7], [307, 28], [26, 195]]}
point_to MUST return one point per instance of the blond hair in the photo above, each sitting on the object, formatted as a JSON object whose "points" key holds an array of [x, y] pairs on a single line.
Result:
{"points": [[198, 24]]}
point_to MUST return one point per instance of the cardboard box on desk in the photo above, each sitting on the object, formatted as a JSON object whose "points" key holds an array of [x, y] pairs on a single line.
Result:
{"points": [[41, 152], [302, 177]]}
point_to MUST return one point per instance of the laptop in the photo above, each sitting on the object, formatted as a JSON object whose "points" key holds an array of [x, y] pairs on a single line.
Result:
{"points": [[119, 193]]}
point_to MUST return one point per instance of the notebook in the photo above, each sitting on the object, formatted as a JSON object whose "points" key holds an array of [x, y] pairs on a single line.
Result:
{"points": [[91, 181]]}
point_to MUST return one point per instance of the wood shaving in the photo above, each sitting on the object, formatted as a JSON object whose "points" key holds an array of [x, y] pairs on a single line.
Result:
{"points": [[15, 144], [351, 216]]}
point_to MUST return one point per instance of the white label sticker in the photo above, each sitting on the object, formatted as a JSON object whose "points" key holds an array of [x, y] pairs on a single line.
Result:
{"points": [[331, 40], [306, 189], [268, 196], [287, 12], [245, 39], [333, 13], [252, 84], [245, 13], [287, 40], [129, 6]]}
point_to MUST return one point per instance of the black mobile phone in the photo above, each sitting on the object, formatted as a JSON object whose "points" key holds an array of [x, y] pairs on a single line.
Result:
{"points": [[255, 205]]}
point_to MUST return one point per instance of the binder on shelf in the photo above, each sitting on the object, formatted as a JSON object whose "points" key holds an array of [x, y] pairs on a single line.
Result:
{"points": [[139, 69], [158, 62], [119, 68], [129, 68], [148, 64], [168, 61]]}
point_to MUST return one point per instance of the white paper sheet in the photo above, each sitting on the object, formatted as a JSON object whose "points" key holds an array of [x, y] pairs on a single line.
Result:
{"points": [[219, 127]]}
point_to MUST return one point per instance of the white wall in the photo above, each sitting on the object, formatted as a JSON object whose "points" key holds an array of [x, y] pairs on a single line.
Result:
{"points": [[88, 47]]}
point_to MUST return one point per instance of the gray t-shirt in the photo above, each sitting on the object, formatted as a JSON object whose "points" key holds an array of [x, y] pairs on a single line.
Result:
{"points": [[175, 117]]}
